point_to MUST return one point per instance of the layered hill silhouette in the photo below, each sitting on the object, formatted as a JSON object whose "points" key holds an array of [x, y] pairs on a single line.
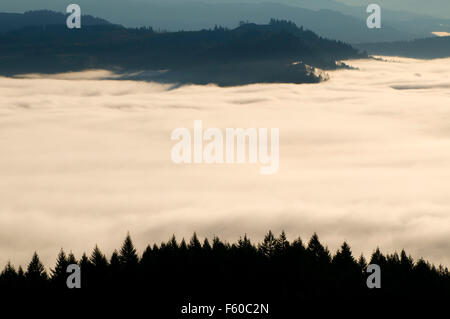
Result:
{"points": [[277, 52], [327, 18], [437, 8]]}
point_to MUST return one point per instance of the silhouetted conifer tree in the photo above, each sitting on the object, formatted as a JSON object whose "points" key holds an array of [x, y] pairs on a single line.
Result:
{"points": [[128, 255], [36, 276], [114, 263], [129, 262], [173, 244], [406, 262], [378, 258], [71, 259], [8, 277], [98, 259], [99, 267], [344, 257], [194, 244], [183, 247], [362, 264], [58, 274], [207, 246], [319, 253], [146, 256], [282, 244], [347, 272], [268, 246], [86, 271], [20, 272], [245, 246]]}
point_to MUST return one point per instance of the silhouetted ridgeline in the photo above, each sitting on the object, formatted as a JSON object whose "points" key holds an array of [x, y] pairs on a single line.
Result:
{"points": [[275, 270], [248, 54]]}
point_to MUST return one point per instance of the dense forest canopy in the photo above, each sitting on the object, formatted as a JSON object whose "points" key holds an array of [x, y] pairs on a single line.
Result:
{"points": [[246, 54], [275, 269]]}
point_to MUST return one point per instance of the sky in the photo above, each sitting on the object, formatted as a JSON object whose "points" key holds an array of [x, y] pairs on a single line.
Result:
{"points": [[364, 157]]}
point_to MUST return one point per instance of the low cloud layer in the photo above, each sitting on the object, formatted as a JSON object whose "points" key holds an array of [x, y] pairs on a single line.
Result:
{"points": [[364, 157], [441, 34]]}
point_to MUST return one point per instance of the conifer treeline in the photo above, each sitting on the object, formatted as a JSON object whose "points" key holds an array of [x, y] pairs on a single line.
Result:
{"points": [[275, 269]]}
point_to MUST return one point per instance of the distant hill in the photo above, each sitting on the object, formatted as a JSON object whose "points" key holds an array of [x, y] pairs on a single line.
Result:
{"points": [[428, 48], [196, 15], [15, 21], [247, 54], [437, 8], [416, 17], [327, 18]]}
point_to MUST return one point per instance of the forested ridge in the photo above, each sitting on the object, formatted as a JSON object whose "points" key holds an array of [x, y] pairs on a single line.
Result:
{"points": [[277, 52], [275, 269]]}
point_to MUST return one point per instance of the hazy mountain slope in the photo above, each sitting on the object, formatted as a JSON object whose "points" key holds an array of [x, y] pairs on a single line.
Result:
{"points": [[429, 48], [437, 8], [13, 21], [410, 16], [326, 23]]}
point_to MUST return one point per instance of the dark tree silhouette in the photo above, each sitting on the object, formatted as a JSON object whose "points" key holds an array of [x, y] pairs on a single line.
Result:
{"points": [[276, 271], [347, 271], [71, 259], [8, 277], [59, 274], [98, 259], [268, 246], [319, 253], [115, 261], [128, 255], [36, 276]]}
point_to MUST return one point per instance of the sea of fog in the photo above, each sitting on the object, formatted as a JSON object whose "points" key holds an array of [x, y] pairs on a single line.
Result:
{"points": [[364, 157]]}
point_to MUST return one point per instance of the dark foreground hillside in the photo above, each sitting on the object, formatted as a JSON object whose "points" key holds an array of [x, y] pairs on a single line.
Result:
{"points": [[277, 52], [275, 272]]}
